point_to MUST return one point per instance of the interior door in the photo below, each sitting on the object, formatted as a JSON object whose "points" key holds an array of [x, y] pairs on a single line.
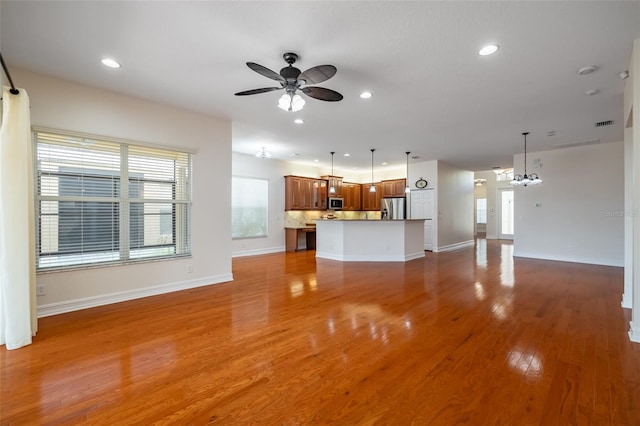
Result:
{"points": [[505, 214], [422, 203]]}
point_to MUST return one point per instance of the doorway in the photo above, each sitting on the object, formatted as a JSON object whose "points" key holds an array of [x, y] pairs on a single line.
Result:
{"points": [[505, 214]]}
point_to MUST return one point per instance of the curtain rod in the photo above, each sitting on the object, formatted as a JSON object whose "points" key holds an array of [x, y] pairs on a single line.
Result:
{"points": [[13, 89]]}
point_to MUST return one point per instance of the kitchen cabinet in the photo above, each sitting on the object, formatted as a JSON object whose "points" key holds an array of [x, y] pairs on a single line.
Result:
{"points": [[393, 188], [352, 195], [371, 200], [336, 182], [303, 193]]}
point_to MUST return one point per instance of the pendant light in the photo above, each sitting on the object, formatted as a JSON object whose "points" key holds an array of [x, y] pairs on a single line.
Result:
{"points": [[372, 188], [525, 180], [407, 189], [332, 189]]}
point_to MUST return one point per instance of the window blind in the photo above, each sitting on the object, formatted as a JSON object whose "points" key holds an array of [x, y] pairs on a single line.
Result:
{"points": [[86, 215]]}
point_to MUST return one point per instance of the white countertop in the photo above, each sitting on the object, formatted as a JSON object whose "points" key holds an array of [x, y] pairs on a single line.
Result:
{"points": [[369, 220]]}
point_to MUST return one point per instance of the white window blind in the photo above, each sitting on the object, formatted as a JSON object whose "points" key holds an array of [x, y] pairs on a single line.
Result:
{"points": [[249, 207], [87, 216]]}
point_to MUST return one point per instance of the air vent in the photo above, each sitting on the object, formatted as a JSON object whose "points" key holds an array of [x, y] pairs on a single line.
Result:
{"points": [[578, 143], [604, 123]]}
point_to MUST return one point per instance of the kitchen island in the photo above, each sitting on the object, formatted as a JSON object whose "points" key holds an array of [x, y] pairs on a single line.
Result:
{"points": [[370, 240]]}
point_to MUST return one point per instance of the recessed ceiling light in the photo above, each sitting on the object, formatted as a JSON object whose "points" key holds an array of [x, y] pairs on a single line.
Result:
{"points": [[587, 70], [366, 95], [346, 154], [488, 50], [110, 63], [316, 161], [298, 121], [592, 92], [384, 163]]}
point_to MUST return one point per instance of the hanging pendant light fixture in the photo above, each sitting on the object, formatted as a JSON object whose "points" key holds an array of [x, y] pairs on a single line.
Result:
{"points": [[263, 153], [372, 188], [332, 189], [407, 189], [525, 180]]}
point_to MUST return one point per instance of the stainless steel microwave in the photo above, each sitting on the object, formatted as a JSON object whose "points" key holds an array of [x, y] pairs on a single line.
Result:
{"points": [[335, 203]]}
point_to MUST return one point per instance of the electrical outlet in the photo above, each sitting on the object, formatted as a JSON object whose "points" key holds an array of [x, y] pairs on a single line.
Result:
{"points": [[40, 290], [570, 247], [189, 269]]}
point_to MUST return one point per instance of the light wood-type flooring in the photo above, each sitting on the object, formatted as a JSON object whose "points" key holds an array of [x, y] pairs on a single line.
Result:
{"points": [[470, 337]]}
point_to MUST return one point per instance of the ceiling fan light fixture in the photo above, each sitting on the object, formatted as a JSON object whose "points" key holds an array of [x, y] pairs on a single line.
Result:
{"points": [[291, 103]]}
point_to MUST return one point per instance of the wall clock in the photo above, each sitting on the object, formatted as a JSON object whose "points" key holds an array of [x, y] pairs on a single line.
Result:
{"points": [[421, 183]]}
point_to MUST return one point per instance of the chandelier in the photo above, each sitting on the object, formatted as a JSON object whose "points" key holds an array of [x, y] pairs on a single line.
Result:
{"points": [[525, 180]]}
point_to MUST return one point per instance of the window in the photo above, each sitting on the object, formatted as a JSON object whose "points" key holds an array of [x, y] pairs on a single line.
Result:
{"points": [[87, 216], [249, 202], [481, 210]]}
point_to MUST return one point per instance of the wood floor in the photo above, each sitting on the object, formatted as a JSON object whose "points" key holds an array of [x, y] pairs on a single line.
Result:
{"points": [[466, 337]]}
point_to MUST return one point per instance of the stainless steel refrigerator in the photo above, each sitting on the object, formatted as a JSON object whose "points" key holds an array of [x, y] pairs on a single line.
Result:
{"points": [[393, 208]]}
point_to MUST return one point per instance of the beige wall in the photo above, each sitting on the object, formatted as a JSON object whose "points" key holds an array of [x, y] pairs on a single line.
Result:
{"points": [[455, 206], [59, 104], [576, 214]]}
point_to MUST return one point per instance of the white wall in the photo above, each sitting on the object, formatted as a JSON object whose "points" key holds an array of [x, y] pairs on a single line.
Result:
{"points": [[59, 104], [274, 171], [581, 206], [455, 207]]}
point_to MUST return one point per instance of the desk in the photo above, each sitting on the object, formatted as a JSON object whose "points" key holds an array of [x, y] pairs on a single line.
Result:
{"points": [[292, 238]]}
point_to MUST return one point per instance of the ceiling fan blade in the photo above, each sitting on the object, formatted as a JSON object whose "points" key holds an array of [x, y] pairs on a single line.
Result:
{"points": [[322, 94], [256, 91], [318, 74], [265, 71]]}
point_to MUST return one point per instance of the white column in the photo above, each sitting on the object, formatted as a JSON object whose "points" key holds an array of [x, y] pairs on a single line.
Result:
{"points": [[634, 71]]}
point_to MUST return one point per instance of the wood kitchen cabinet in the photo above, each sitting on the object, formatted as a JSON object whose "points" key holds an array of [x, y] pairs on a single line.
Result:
{"points": [[352, 195], [394, 188], [336, 182], [371, 200], [303, 193]]}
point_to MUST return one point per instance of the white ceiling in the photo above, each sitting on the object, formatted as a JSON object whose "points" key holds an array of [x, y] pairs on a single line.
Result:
{"points": [[433, 94]]}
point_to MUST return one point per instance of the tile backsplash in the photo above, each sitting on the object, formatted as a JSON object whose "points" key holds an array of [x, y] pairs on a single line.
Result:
{"points": [[300, 218]]}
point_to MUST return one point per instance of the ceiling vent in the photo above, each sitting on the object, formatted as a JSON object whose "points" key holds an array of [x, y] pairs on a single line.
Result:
{"points": [[578, 143], [604, 123]]}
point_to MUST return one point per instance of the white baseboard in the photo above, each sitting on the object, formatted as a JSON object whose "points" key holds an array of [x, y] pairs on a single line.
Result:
{"points": [[257, 252], [576, 259], [454, 246], [122, 296], [378, 258], [626, 301], [634, 333]]}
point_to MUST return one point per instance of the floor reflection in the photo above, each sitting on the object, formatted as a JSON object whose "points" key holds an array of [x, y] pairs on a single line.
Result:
{"points": [[506, 265]]}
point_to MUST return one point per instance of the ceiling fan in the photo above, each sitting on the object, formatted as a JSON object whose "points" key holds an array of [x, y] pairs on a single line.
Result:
{"points": [[291, 80]]}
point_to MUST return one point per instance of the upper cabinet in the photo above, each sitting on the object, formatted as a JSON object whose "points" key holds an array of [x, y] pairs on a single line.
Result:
{"points": [[393, 188], [351, 193], [336, 182], [305, 193], [371, 200]]}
